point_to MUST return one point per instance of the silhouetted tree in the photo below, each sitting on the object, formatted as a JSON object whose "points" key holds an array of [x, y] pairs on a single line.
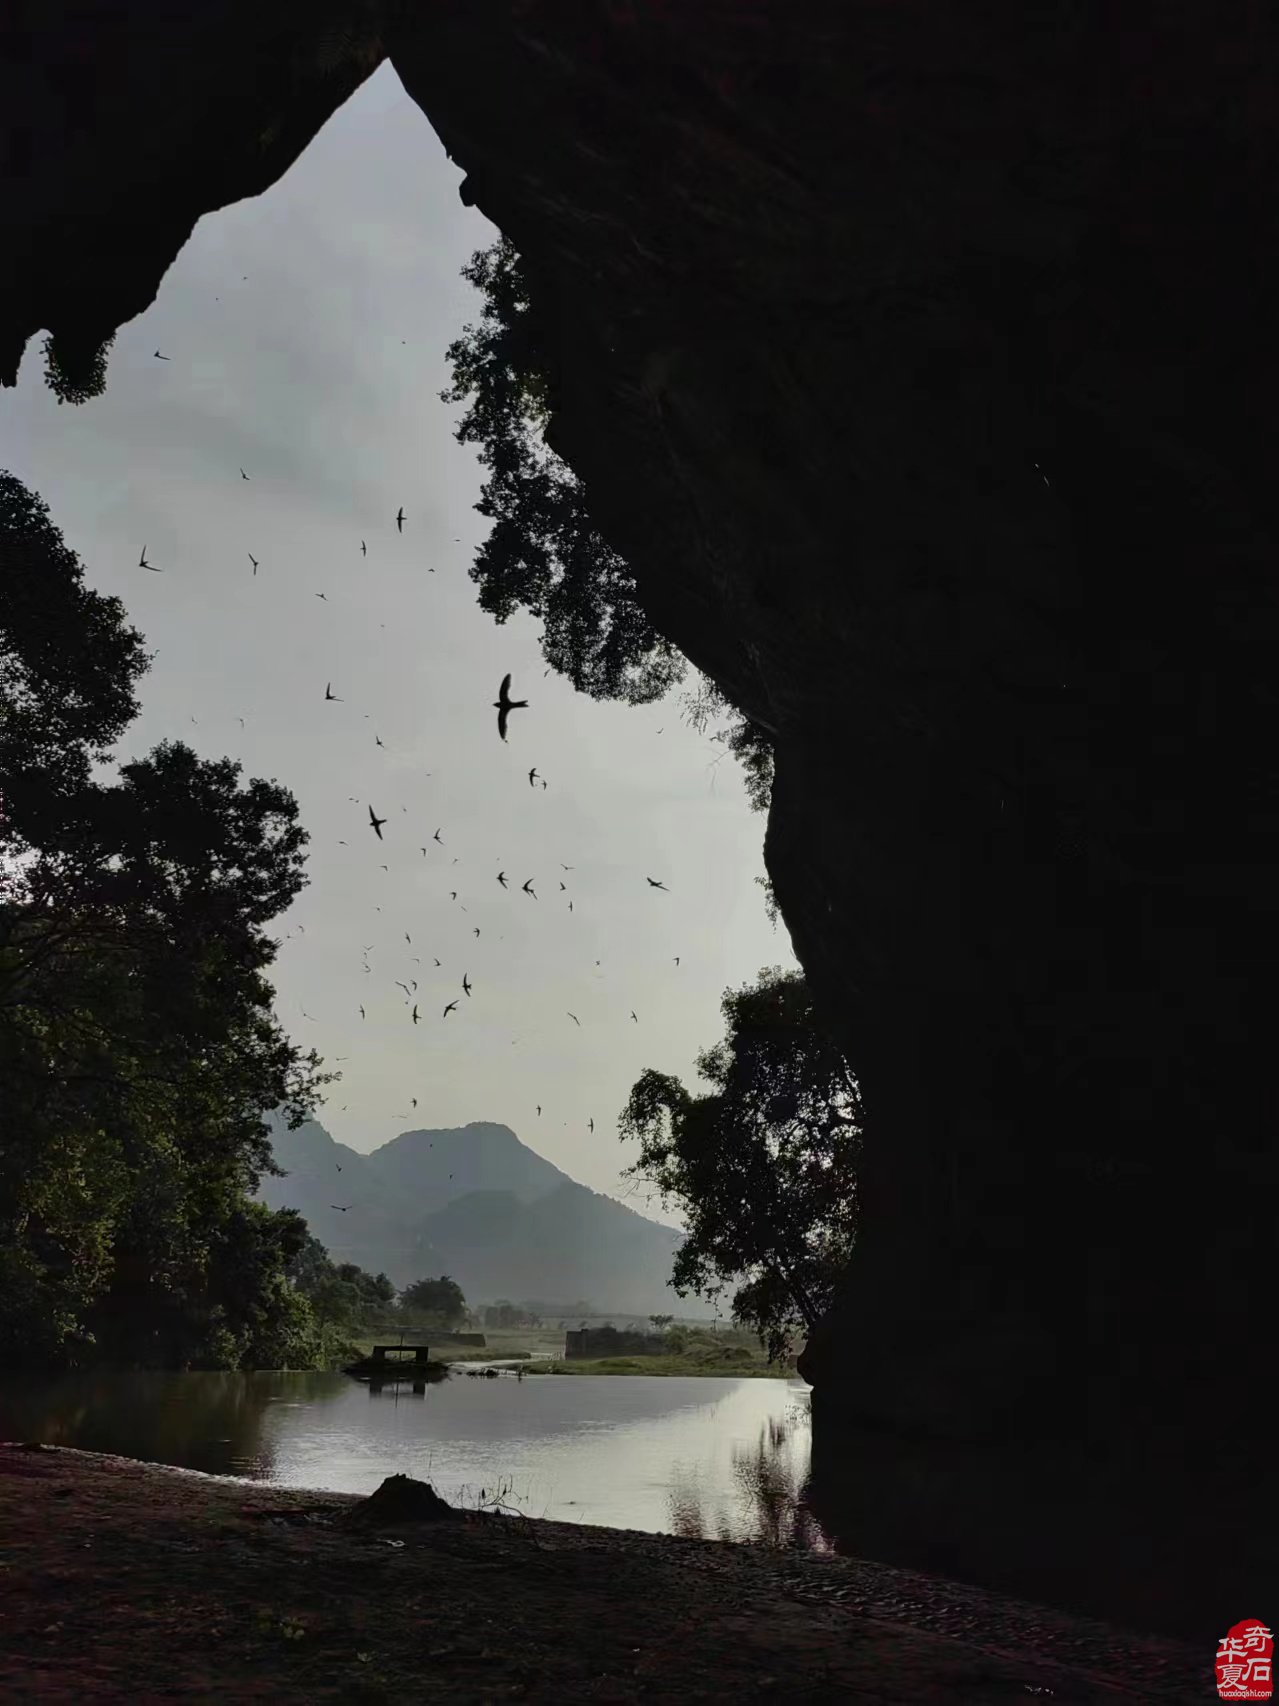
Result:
{"points": [[75, 372], [543, 554], [137, 1041], [763, 1167], [438, 1301]]}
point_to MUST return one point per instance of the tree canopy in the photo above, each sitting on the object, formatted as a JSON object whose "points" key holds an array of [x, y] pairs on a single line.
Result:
{"points": [[543, 554], [763, 1165], [437, 1301], [138, 1048]]}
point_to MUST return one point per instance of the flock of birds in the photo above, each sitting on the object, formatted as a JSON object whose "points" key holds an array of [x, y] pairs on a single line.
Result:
{"points": [[413, 999]]}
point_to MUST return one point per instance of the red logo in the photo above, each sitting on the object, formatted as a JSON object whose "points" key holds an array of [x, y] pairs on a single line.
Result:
{"points": [[1245, 1662]]}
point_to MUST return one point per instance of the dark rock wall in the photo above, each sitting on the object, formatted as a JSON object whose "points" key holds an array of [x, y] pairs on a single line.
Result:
{"points": [[920, 359]]}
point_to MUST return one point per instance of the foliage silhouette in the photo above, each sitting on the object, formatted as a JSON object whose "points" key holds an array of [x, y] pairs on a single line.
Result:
{"points": [[76, 372], [543, 553], [438, 1301], [763, 1166], [137, 1041]]}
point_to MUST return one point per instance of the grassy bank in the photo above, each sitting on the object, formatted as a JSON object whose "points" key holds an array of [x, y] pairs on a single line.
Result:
{"points": [[519, 1342], [731, 1362]]}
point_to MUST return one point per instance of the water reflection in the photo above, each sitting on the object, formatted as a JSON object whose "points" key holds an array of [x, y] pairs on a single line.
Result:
{"points": [[770, 1476], [721, 1457]]}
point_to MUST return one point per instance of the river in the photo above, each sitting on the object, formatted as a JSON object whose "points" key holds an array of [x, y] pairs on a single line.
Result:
{"points": [[724, 1458]]}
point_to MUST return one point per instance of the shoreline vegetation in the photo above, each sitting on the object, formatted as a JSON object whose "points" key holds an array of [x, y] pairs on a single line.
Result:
{"points": [[126, 1580]]}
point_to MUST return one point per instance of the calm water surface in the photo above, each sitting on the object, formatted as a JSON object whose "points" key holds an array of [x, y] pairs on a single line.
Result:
{"points": [[725, 1458]]}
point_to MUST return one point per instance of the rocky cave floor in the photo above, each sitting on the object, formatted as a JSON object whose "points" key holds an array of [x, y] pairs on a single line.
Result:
{"points": [[121, 1580]]}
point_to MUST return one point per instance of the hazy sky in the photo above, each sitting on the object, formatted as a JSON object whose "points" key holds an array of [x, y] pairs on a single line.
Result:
{"points": [[306, 333]]}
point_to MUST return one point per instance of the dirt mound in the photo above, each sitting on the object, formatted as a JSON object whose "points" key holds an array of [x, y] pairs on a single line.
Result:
{"points": [[400, 1499]]}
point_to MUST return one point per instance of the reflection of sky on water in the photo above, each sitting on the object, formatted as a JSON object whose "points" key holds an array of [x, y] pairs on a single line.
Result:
{"points": [[632, 1452], [764, 1504]]}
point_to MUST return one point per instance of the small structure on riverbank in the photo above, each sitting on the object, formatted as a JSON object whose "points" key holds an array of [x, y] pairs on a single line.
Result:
{"points": [[397, 1362]]}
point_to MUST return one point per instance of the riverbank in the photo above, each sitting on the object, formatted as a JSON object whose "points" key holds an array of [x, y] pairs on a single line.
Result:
{"points": [[123, 1580], [723, 1367]]}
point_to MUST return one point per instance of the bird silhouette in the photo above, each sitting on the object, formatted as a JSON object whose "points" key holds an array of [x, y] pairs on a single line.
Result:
{"points": [[376, 823], [564, 867], [528, 888], [451, 1008], [143, 564], [436, 837], [563, 887], [575, 1019], [361, 1012], [452, 894], [399, 520], [539, 1110], [531, 775], [466, 983], [379, 740], [590, 1125], [337, 1205], [415, 1012], [413, 1101], [254, 561], [570, 906], [504, 705], [243, 475], [408, 938], [477, 929], [364, 550], [323, 595], [329, 694], [677, 959], [654, 884], [436, 961], [404, 986], [160, 357], [633, 1015], [501, 877]]}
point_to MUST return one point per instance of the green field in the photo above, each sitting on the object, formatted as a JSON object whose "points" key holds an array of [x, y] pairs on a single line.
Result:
{"points": [[732, 1360]]}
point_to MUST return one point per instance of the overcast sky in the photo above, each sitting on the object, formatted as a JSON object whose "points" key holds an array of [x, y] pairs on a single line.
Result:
{"points": [[306, 333]]}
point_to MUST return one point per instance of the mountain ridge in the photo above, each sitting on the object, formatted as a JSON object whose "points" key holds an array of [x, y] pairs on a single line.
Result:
{"points": [[478, 1203]]}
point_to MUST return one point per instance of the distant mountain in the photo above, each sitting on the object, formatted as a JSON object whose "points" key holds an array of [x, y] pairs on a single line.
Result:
{"points": [[476, 1203]]}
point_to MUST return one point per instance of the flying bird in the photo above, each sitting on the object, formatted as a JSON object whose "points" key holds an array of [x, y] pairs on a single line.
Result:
{"points": [[575, 1019], [466, 983], [436, 837], [336, 1205], [532, 775], [413, 1101], [564, 867], [254, 561], [452, 1007], [399, 520], [539, 1110], [408, 938], [654, 884], [142, 560], [570, 906], [160, 357], [633, 1015], [563, 886], [243, 475], [677, 959], [404, 986], [477, 929], [415, 1012], [452, 894], [329, 694], [590, 1125], [504, 705], [501, 877], [323, 595], [436, 961], [364, 550], [361, 1012], [379, 740], [376, 822], [528, 888]]}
